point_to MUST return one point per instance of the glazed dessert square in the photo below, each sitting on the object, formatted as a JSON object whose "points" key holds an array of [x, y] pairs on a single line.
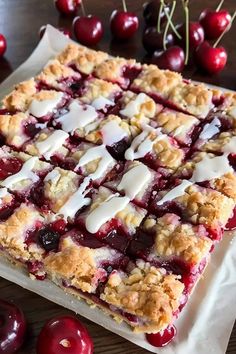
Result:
{"points": [[117, 181]]}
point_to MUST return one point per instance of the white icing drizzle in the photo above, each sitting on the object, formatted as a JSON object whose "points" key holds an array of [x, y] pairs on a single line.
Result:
{"points": [[133, 107], [112, 133], [94, 153], [211, 168], [230, 147], [142, 144], [41, 108], [24, 174], [210, 129], [176, 192], [78, 117], [105, 212], [101, 103], [3, 193], [54, 175], [135, 180], [48, 146], [41, 125], [76, 201]]}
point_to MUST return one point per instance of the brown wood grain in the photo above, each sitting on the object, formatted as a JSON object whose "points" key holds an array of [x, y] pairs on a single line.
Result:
{"points": [[20, 21]]}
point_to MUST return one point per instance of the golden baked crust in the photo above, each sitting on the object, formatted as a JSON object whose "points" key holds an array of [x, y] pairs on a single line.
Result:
{"points": [[55, 72], [112, 70], [175, 239], [19, 98], [13, 233], [60, 187], [96, 88], [193, 98], [84, 59], [12, 128], [155, 81], [167, 154], [206, 206], [177, 124], [217, 144], [147, 293]]}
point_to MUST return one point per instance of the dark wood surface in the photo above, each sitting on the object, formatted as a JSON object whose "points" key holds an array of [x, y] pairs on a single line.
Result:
{"points": [[20, 21]]}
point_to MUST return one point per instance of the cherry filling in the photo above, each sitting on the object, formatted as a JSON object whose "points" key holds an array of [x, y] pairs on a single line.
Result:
{"points": [[118, 149], [31, 130], [130, 73], [140, 245], [9, 166], [231, 224], [117, 240], [48, 239], [162, 338], [7, 210]]}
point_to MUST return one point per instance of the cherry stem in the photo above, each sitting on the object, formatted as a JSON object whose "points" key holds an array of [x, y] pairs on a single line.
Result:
{"points": [[168, 23], [82, 8], [124, 6], [169, 18], [226, 29], [219, 6], [186, 10], [159, 17]]}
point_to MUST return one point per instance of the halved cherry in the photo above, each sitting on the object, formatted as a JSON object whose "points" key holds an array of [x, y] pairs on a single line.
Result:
{"points": [[64, 335]]}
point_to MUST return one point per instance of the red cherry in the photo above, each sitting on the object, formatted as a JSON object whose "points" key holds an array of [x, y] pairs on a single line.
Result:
{"points": [[65, 31], [172, 59], [3, 45], [162, 338], [152, 40], [88, 29], [67, 7], [64, 335], [214, 22], [151, 11], [211, 59], [196, 34], [12, 327], [123, 24]]}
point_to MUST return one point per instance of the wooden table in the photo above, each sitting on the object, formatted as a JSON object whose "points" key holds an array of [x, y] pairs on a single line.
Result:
{"points": [[20, 21]]}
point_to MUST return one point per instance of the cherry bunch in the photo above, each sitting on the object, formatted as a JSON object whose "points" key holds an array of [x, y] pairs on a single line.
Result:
{"points": [[170, 49]]}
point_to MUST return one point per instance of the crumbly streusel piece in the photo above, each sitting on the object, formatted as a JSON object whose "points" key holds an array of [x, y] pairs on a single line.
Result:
{"points": [[224, 142], [138, 108], [48, 143], [84, 59], [146, 292], [156, 82], [79, 266], [176, 239], [14, 128], [113, 69], [178, 125], [58, 75], [110, 211], [19, 98], [13, 233], [195, 99], [96, 88]]}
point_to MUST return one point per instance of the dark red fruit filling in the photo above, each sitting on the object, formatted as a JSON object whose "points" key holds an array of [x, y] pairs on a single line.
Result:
{"points": [[48, 239], [162, 338], [117, 240], [231, 224], [118, 149], [140, 245], [9, 166], [30, 130], [131, 72]]}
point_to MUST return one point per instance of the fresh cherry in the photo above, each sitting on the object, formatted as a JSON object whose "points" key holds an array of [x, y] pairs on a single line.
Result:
{"points": [[64, 335], [12, 327], [172, 59], [67, 7], [65, 31], [88, 29], [123, 24], [3, 45], [162, 338], [152, 40], [151, 11], [48, 239], [196, 34], [214, 22], [210, 59]]}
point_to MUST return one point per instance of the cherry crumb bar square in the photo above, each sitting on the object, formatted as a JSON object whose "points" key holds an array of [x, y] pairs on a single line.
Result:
{"points": [[117, 181]]}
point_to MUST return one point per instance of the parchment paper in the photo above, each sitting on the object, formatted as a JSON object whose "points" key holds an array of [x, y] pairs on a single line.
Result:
{"points": [[205, 324]]}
